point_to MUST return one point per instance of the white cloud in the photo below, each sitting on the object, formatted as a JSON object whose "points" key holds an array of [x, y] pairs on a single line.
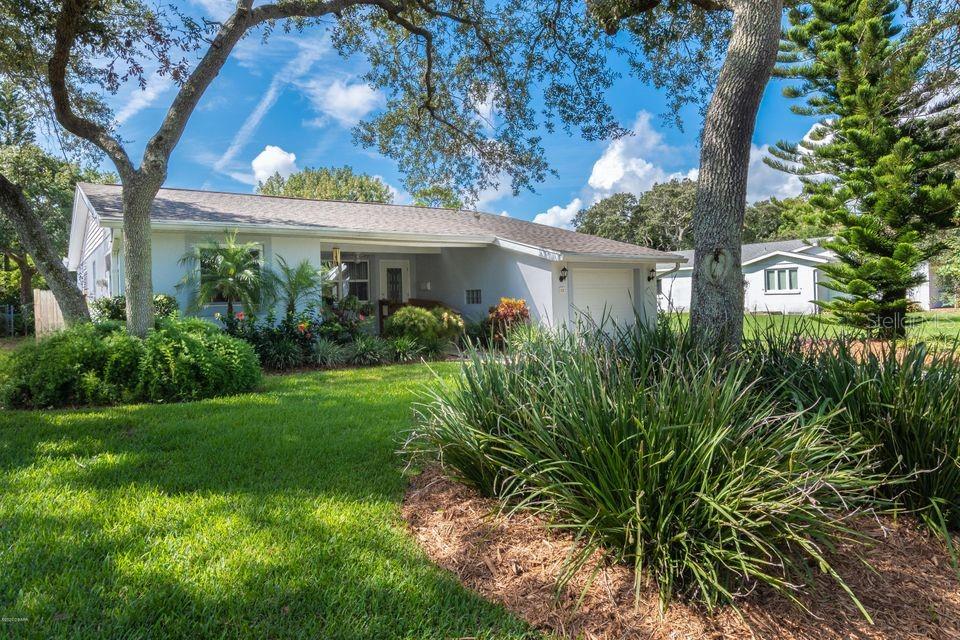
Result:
{"points": [[493, 193], [309, 53], [626, 164], [557, 216], [140, 99], [764, 181], [216, 9], [273, 160], [345, 102]]}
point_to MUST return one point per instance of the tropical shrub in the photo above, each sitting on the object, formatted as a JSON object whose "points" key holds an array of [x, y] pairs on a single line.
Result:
{"points": [[508, 313], [451, 322], [329, 353], [115, 307], [180, 363], [677, 463], [367, 350], [102, 364], [416, 323]]}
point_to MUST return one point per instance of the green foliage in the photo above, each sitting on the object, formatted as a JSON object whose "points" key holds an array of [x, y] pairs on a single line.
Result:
{"points": [[406, 349], [786, 219], [335, 183], [877, 167], [369, 350], [948, 270], [438, 196], [115, 307], [665, 458], [101, 364], [905, 402], [231, 271], [298, 284], [330, 354], [413, 322], [181, 363]]}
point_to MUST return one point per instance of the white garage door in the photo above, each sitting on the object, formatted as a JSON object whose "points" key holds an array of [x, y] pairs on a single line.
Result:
{"points": [[601, 293]]}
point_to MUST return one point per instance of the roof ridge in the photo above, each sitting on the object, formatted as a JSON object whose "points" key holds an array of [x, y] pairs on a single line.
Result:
{"points": [[302, 199]]}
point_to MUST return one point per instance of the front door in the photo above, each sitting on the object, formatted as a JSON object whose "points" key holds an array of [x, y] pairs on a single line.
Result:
{"points": [[395, 280]]}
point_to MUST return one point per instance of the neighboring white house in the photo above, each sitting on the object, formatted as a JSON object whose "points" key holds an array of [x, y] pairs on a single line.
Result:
{"points": [[779, 277], [463, 259]]}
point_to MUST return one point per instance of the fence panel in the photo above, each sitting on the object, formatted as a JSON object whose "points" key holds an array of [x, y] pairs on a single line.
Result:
{"points": [[46, 313]]}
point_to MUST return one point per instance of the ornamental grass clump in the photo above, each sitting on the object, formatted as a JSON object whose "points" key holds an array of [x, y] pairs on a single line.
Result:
{"points": [[664, 458], [903, 399]]}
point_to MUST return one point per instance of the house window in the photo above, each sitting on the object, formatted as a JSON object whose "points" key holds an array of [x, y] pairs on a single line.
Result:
{"points": [[659, 286], [356, 279], [781, 280], [473, 296]]}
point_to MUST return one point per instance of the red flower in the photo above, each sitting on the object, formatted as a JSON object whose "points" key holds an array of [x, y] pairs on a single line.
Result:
{"points": [[240, 315], [362, 317], [302, 327]]}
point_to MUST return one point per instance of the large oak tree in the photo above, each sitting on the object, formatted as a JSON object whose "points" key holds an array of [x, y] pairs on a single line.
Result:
{"points": [[440, 63]]}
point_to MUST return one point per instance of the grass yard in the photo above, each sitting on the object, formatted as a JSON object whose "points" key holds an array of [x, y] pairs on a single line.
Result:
{"points": [[269, 515], [941, 326]]}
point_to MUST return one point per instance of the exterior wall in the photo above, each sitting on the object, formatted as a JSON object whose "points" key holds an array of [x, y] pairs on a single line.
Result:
{"points": [[496, 272], [757, 299], [676, 291], [95, 266]]}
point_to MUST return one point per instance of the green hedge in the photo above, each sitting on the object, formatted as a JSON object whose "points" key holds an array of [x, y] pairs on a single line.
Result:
{"points": [[94, 364]]}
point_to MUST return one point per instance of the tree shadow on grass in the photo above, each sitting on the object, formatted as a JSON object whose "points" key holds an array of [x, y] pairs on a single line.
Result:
{"points": [[267, 515]]}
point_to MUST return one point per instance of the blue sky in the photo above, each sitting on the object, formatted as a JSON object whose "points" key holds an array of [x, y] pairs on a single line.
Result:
{"points": [[291, 103]]}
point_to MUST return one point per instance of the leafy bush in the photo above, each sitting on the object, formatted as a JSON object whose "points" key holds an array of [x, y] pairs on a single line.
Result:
{"points": [[677, 463], [508, 313], [406, 349], [412, 322], [101, 364], [451, 322], [329, 353], [367, 350], [115, 308], [180, 363]]}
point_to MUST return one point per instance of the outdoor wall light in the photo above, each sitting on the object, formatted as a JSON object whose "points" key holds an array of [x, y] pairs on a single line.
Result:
{"points": [[563, 274], [651, 275]]}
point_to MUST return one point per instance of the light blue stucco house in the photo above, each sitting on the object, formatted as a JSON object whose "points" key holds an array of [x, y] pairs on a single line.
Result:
{"points": [[465, 260]]}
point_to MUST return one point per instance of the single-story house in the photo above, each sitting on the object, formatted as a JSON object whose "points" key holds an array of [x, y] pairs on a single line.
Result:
{"points": [[465, 260], [779, 277]]}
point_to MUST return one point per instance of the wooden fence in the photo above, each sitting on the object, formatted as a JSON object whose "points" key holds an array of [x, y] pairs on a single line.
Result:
{"points": [[46, 313]]}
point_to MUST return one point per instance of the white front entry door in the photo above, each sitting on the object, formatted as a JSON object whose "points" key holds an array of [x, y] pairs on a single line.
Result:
{"points": [[395, 280]]}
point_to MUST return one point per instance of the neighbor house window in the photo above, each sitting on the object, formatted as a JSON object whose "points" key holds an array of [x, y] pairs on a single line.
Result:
{"points": [[473, 296], [781, 280]]}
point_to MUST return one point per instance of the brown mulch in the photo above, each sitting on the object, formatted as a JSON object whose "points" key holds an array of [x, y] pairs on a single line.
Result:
{"points": [[911, 592]]}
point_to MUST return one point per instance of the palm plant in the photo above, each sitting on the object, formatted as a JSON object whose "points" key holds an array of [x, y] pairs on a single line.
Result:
{"points": [[230, 271], [297, 283]]}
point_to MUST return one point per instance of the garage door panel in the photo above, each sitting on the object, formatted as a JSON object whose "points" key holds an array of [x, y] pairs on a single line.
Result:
{"points": [[604, 293]]}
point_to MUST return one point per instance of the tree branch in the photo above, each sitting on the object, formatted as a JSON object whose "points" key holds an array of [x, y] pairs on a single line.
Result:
{"points": [[65, 36]]}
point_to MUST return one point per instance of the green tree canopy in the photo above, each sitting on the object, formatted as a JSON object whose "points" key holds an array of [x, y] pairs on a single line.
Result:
{"points": [[438, 196], [877, 170], [328, 183]]}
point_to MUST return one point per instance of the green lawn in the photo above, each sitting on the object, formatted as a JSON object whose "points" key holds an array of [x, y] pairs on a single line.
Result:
{"points": [[942, 326], [270, 515]]}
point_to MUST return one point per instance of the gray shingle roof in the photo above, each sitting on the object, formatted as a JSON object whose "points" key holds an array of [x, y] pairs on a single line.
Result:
{"points": [[758, 249], [213, 207]]}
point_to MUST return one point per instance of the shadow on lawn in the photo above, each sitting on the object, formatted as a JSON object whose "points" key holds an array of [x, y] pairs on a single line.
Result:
{"points": [[266, 515]]}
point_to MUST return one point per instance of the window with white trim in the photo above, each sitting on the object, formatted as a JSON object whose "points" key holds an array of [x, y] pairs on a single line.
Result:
{"points": [[781, 280], [356, 279]]}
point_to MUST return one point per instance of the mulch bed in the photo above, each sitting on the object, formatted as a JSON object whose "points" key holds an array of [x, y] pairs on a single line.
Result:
{"points": [[911, 592]]}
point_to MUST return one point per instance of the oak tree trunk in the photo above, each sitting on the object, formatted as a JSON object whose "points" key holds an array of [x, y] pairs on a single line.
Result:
{"points": [[716, 308], [36, 242], [26, 279], [138, 256]]}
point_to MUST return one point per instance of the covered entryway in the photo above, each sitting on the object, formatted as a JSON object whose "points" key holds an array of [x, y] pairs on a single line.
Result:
{"points": [[604, 294]]}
